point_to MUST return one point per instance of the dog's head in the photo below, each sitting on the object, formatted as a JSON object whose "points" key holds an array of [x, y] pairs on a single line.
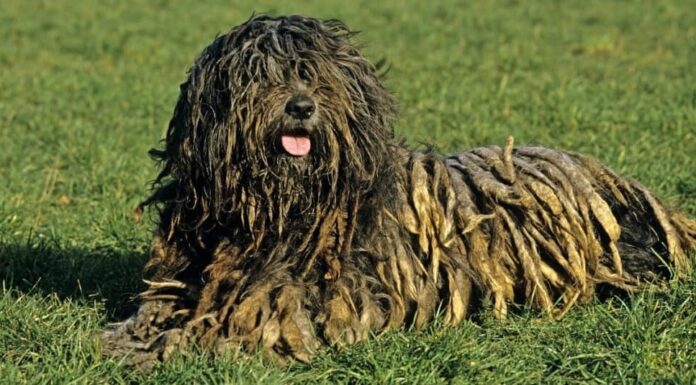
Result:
{"points": [[279, 109]]}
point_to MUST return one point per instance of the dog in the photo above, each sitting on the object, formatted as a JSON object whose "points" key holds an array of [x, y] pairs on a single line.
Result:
{"points": [[290, 219]]}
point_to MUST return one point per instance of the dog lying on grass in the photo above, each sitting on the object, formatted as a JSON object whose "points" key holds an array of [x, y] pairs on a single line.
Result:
{"points": [[290, 219]]}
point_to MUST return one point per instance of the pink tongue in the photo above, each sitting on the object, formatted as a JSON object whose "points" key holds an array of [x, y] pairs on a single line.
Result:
{"points": [[296, 145]]}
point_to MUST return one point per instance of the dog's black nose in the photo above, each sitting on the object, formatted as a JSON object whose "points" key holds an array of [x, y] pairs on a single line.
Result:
{"points": [[300, 107]]}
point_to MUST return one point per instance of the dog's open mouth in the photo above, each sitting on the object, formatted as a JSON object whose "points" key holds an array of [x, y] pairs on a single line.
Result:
{"points": [[296, 142]]}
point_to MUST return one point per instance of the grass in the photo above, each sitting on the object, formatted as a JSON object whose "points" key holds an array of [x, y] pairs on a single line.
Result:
{"points": [[87, 87]]}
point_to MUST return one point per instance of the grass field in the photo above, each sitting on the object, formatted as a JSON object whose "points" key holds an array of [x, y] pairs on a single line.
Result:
{"points": [[87, 87]]}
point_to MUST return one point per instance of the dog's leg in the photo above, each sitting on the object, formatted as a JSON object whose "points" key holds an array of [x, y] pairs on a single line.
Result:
{"points": [[155, 330], [654, 241], [248, 304], [273, 316], [352, 307]]}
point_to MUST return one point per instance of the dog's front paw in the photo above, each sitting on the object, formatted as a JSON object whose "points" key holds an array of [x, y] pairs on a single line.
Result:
{"points": [[275, 321], [340, 323], [146, 338]]}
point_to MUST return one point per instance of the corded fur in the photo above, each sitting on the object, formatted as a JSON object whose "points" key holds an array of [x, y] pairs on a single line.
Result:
{"points": [[258, 250]]}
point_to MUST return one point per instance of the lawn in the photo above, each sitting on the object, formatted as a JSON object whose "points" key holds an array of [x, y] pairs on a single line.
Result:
{"points": [[87, 87]]}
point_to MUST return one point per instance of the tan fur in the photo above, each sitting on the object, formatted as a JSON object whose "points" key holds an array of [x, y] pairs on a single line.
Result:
{"points": [[256, 251]]}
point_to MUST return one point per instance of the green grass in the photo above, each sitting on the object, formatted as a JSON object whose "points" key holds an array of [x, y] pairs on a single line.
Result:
{"points": [[87, 87]]}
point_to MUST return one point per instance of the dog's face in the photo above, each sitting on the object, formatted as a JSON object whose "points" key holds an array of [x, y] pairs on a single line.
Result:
{"points": [[279, 106]]}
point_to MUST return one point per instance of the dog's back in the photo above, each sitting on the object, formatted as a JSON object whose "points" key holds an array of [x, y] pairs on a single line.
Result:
{"points": [[560, 224]]}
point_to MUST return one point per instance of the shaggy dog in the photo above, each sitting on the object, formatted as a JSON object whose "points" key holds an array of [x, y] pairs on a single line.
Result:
{"points": [[291, 220]]}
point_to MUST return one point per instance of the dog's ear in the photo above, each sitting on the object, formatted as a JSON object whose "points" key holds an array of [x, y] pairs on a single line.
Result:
{"points": [[378, 106]]}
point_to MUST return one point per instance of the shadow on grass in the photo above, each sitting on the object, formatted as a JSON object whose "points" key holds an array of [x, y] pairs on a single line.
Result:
{"points": [[103, 274]]}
